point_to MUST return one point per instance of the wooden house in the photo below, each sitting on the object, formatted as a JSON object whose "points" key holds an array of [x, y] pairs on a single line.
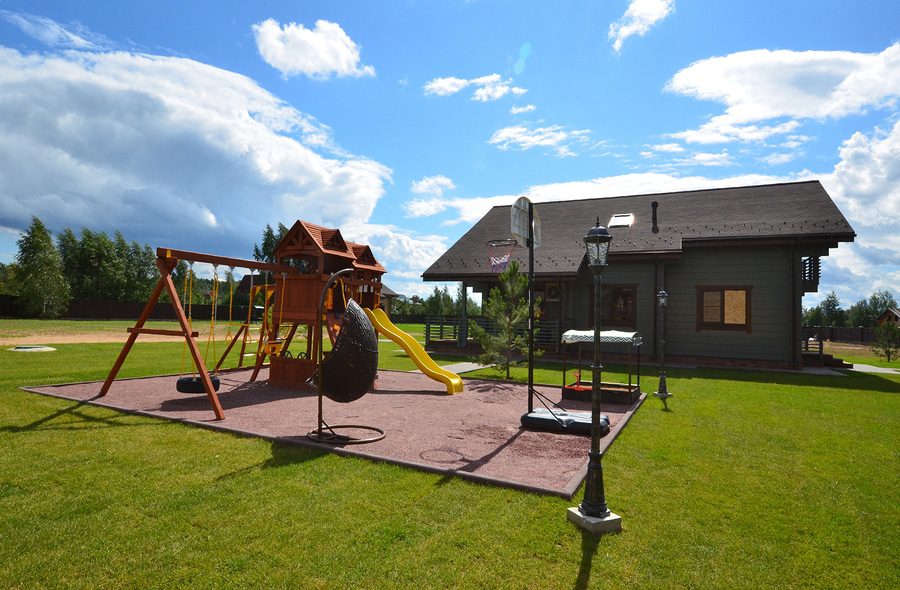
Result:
{"points": [[734, 261], [889, 316]]}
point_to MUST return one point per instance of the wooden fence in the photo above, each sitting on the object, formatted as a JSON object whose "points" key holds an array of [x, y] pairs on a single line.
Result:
{"points": [[448, 327], [102, 309], [835, 334]]}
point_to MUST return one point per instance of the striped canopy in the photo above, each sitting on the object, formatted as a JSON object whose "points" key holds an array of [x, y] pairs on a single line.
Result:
{"points": [[573, 336]]}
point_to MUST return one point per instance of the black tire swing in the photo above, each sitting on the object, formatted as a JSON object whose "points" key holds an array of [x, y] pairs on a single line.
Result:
{"points": [[193, 383], [348, 372]]}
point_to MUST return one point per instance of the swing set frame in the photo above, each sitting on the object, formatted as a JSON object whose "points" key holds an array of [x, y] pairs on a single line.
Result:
{"points": [[166, 261]]}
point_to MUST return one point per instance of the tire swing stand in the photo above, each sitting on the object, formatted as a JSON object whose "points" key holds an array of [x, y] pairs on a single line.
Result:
{"points": [[348, 372]]}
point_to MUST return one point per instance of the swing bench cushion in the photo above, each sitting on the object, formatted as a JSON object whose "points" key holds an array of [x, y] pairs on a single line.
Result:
{"points": [[563, 421]]}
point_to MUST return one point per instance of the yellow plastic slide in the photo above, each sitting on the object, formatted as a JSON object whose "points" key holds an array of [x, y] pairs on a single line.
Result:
{"points": [[416, 352]]}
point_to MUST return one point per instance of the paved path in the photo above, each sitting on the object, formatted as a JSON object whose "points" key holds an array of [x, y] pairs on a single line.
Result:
{"points": [[873, 369], [458, 368]]}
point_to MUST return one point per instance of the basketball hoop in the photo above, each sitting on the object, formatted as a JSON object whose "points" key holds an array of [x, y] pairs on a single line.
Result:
{"points": [[499, 253]]}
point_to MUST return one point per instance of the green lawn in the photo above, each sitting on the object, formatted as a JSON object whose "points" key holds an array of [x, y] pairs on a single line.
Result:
{"points": [[875, 361], [860, 354], [753, 480]]}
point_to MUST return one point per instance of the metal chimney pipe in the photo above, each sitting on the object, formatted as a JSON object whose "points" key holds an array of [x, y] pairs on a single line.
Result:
{"points": [[655, 204]]}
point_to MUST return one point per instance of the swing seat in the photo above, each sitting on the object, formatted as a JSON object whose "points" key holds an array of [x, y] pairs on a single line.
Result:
{"points": [[273, 347], [349, 369], [195, 385]]}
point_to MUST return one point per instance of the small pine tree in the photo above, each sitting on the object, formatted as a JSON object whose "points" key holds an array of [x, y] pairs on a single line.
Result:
{"points": [[43, 290], [507, 310], [887, 340]]}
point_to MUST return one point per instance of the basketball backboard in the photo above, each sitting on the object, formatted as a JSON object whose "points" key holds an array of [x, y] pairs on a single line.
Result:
{"points": [[519, 222]]}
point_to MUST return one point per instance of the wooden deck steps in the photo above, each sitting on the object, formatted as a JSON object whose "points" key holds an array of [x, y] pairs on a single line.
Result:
{"points": [[813, 359]]}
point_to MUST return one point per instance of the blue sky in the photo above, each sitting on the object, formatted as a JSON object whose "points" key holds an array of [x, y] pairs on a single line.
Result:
{"points": [[193, 124]]}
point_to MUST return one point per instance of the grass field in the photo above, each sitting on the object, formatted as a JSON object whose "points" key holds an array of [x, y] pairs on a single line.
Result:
{"points": [[859, 353], [754, 480]]}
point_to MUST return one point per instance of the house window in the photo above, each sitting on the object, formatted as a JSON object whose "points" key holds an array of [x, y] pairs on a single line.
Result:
{"points": [[723, 308], [617, 307]]}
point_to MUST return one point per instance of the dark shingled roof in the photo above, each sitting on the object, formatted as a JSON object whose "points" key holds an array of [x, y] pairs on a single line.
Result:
{"points": [[388, 292], [802, 210]]}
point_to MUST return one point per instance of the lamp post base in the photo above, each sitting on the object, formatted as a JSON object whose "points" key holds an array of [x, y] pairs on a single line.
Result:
{"points": [[663, 392], [611, 523]]}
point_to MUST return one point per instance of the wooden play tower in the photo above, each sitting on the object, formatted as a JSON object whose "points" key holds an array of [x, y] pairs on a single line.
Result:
{"points": [[315, 253]]}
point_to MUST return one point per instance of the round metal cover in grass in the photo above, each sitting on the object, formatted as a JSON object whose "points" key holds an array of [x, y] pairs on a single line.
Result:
{"points": [[30, 348]]}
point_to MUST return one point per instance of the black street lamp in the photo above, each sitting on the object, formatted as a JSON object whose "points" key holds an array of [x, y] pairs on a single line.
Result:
{"points": [[662, 301], [593, 514]]}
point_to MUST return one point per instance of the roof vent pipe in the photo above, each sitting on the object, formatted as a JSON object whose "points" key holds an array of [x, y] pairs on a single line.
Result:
{"points": [[655, 204]]}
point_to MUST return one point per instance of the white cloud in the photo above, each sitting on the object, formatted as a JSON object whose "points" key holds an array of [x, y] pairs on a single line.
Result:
{"points": [[445, 86], [794, 141], [779, 158], [553, 137], [53, 34], [706, 159], [425, 207], [516, 110], [320, 52], [487, 88], [169, 150], [866, 181], [768, 92], [178, 153], [671, 148], [406, 255], [718, 130], [638, 18], [432, 185]]}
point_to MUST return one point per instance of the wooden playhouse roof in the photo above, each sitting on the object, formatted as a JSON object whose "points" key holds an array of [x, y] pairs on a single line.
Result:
{"points": [[305, 237]]}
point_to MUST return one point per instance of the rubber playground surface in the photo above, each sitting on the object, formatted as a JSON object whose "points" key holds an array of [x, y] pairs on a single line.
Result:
{"points": [[474, 434]]}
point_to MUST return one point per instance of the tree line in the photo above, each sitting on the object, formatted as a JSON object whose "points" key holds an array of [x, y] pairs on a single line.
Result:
{"points": [[862, 313], [48, 274], [439, 302]]}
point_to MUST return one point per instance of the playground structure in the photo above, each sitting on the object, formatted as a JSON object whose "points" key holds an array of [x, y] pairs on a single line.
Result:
{"points": [[308, 256]]}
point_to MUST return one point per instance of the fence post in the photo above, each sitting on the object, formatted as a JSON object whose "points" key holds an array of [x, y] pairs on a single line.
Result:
{"points": [[427, 330]]}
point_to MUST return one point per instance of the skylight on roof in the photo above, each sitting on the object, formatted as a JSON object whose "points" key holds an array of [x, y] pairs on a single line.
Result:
{"points": [[621, 220]]}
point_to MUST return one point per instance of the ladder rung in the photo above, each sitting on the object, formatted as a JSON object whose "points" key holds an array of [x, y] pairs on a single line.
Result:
{"points": [[160, 332]]}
